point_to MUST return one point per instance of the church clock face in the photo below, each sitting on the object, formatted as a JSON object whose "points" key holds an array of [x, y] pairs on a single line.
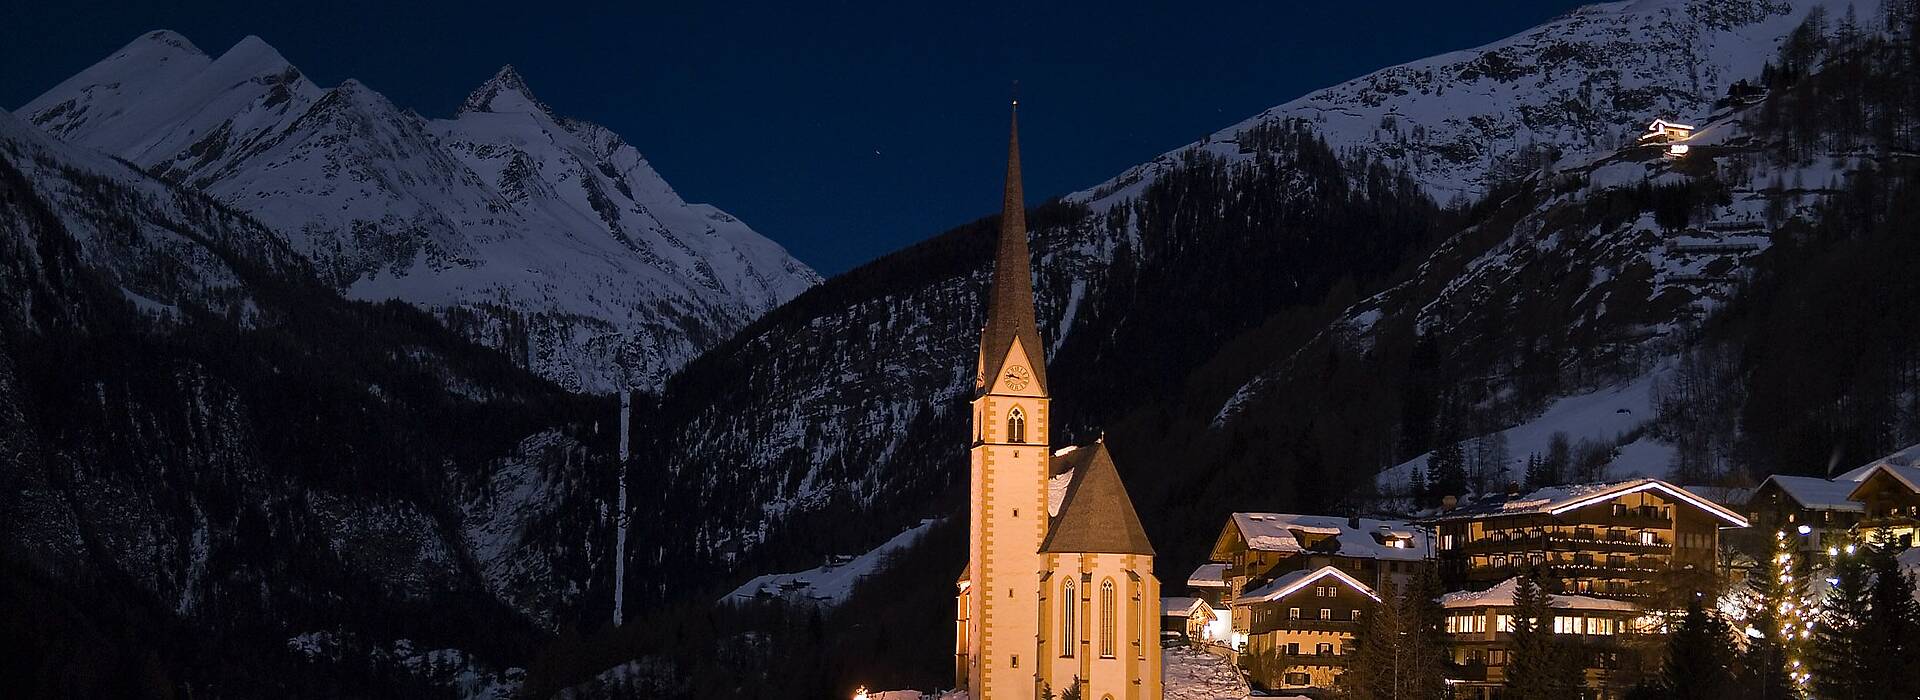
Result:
{"points": [[1017, 377]]}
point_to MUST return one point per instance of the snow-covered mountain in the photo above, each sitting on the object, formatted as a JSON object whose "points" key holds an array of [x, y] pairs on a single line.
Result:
{"points": [[1577, 86], [1191, 279], [547, 237]]}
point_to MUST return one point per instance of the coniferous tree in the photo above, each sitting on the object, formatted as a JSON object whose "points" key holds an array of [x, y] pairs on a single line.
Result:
{"points": [[1699, 663], [1540, 666], [1776, 635], [1839, 662], [1892, 629], [1426, 651], [1399, 651], [1447, 469], [1373, 669]]}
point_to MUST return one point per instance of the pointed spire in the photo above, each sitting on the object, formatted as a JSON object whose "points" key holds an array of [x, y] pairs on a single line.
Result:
{"points": [[1010, 301]]}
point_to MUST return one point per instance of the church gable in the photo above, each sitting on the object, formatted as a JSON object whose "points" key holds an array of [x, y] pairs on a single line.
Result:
{"points": [[1018, 374]]}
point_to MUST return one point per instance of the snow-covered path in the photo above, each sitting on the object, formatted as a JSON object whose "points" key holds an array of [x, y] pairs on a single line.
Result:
{"points": [[1191, 674]]}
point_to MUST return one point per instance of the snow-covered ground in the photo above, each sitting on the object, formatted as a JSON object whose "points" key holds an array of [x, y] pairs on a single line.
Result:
{"points": [[829, 584], [1191, 674], [1604, 415]]}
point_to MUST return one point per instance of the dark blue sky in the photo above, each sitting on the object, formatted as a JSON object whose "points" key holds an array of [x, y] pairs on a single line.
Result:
{"points": [[842, 130]]}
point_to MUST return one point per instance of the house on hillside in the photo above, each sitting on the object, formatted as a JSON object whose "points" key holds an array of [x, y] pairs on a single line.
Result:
{"points": [[1479, 628], [1301, 626], [1815, 513], [1614, 540], [1889, 497], [1663, 131]]}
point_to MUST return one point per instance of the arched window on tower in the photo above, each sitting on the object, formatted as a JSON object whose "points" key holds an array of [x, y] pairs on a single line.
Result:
{"points": [[1069, 632], [1016, 425], [1106, 618]]}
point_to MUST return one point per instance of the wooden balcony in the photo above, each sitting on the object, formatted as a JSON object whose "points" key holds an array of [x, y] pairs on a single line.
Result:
{"points": [[1562, 543]]}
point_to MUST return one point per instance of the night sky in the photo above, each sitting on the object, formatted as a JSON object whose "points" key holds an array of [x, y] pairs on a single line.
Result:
{"points": [[841, 130]]}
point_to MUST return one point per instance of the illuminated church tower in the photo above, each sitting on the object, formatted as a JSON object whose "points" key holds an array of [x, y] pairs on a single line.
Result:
{"points": [[1059, 586]]}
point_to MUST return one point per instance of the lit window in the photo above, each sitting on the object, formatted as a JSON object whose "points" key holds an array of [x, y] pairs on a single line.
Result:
{"points": [[1326, 614], [1293, 613], [1016, 425]]}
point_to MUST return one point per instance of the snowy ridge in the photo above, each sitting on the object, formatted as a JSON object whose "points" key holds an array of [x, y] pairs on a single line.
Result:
{"points": [[550, 238], [1577, 86], [831, 583]]}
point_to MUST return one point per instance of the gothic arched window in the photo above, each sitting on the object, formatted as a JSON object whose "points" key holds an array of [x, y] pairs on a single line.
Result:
{"points": [[1016, 425], [1069, 633], [1106, 618]]}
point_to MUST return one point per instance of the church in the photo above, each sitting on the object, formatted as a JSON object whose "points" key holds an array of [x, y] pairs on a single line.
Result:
{"points": [[1059, 589]]}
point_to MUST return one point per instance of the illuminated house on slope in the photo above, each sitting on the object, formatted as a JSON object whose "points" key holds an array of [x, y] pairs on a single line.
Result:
{"points": [[1615, 540]]}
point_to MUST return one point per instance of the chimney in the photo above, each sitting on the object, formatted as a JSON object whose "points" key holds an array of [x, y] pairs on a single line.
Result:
{"points": [[1353, 522], [1513, 490]]}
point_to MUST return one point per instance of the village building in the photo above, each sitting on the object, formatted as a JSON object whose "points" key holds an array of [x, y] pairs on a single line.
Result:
{"points": [[1193, 621], [1255, 548], [1889, 495], [1815, 514], [1059, 590], [1663, 131], [1479, 628], [1616, 540], [1300, 627]]}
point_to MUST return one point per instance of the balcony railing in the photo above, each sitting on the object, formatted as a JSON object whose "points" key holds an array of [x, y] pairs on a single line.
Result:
{"points": [[1561, 543]]}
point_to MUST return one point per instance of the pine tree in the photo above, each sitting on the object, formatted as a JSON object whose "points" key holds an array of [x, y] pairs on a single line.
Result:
{"points": [[1540, 667], [1426, 648], [1447, 469], [1892, 629], [1776, 638], [1839, 662], [1373, 669], [1699, 664]]}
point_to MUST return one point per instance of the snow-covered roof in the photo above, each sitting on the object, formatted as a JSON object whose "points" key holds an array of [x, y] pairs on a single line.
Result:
{"points": [[1057, 492], [1184, 606], [1907, 457], [1293, 581], [1208, 575], [1906, 475], [1816, 493], [1503, 594], [1275, 532], [1554, 500]]}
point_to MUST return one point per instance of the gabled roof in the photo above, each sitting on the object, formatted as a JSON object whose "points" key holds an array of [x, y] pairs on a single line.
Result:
{"points": [[1184, 606], [1908, 457], [1096, 515], [1815, 493], [1503, 595], [1555, 500], [1294, 581], [1010, 298], [1276, 532], [1906, 475], [1208, 576]]}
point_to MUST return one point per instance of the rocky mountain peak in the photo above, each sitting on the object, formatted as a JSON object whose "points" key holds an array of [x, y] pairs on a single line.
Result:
{"points": [[505, 92]]}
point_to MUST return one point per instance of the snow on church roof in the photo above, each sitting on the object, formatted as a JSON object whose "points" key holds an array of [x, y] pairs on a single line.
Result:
{"points": [[1275, 532], [1503, 595]]}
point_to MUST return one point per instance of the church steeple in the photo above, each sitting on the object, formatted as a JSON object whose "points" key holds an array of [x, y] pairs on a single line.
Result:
{"points": [[1010, 301]]}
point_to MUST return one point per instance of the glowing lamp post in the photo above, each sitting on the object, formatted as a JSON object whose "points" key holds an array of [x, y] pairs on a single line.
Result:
{"points": [[860, 693]]}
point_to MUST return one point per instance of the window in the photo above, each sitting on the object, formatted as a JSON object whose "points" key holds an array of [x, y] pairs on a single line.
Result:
{"points": [[1016, 661], [1298, 679], [1106, 618], [1504, 624], [1293, 613], [1496, 657], [1069, 634], [1326, 614], [1323, 649], [1647, 537], [1354, 614], [1016, 425]]}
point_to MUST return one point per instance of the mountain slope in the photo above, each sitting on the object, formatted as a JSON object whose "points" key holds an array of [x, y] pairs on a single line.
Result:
{"points": [[220, 475], [1574, 87], [549, 238]]}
